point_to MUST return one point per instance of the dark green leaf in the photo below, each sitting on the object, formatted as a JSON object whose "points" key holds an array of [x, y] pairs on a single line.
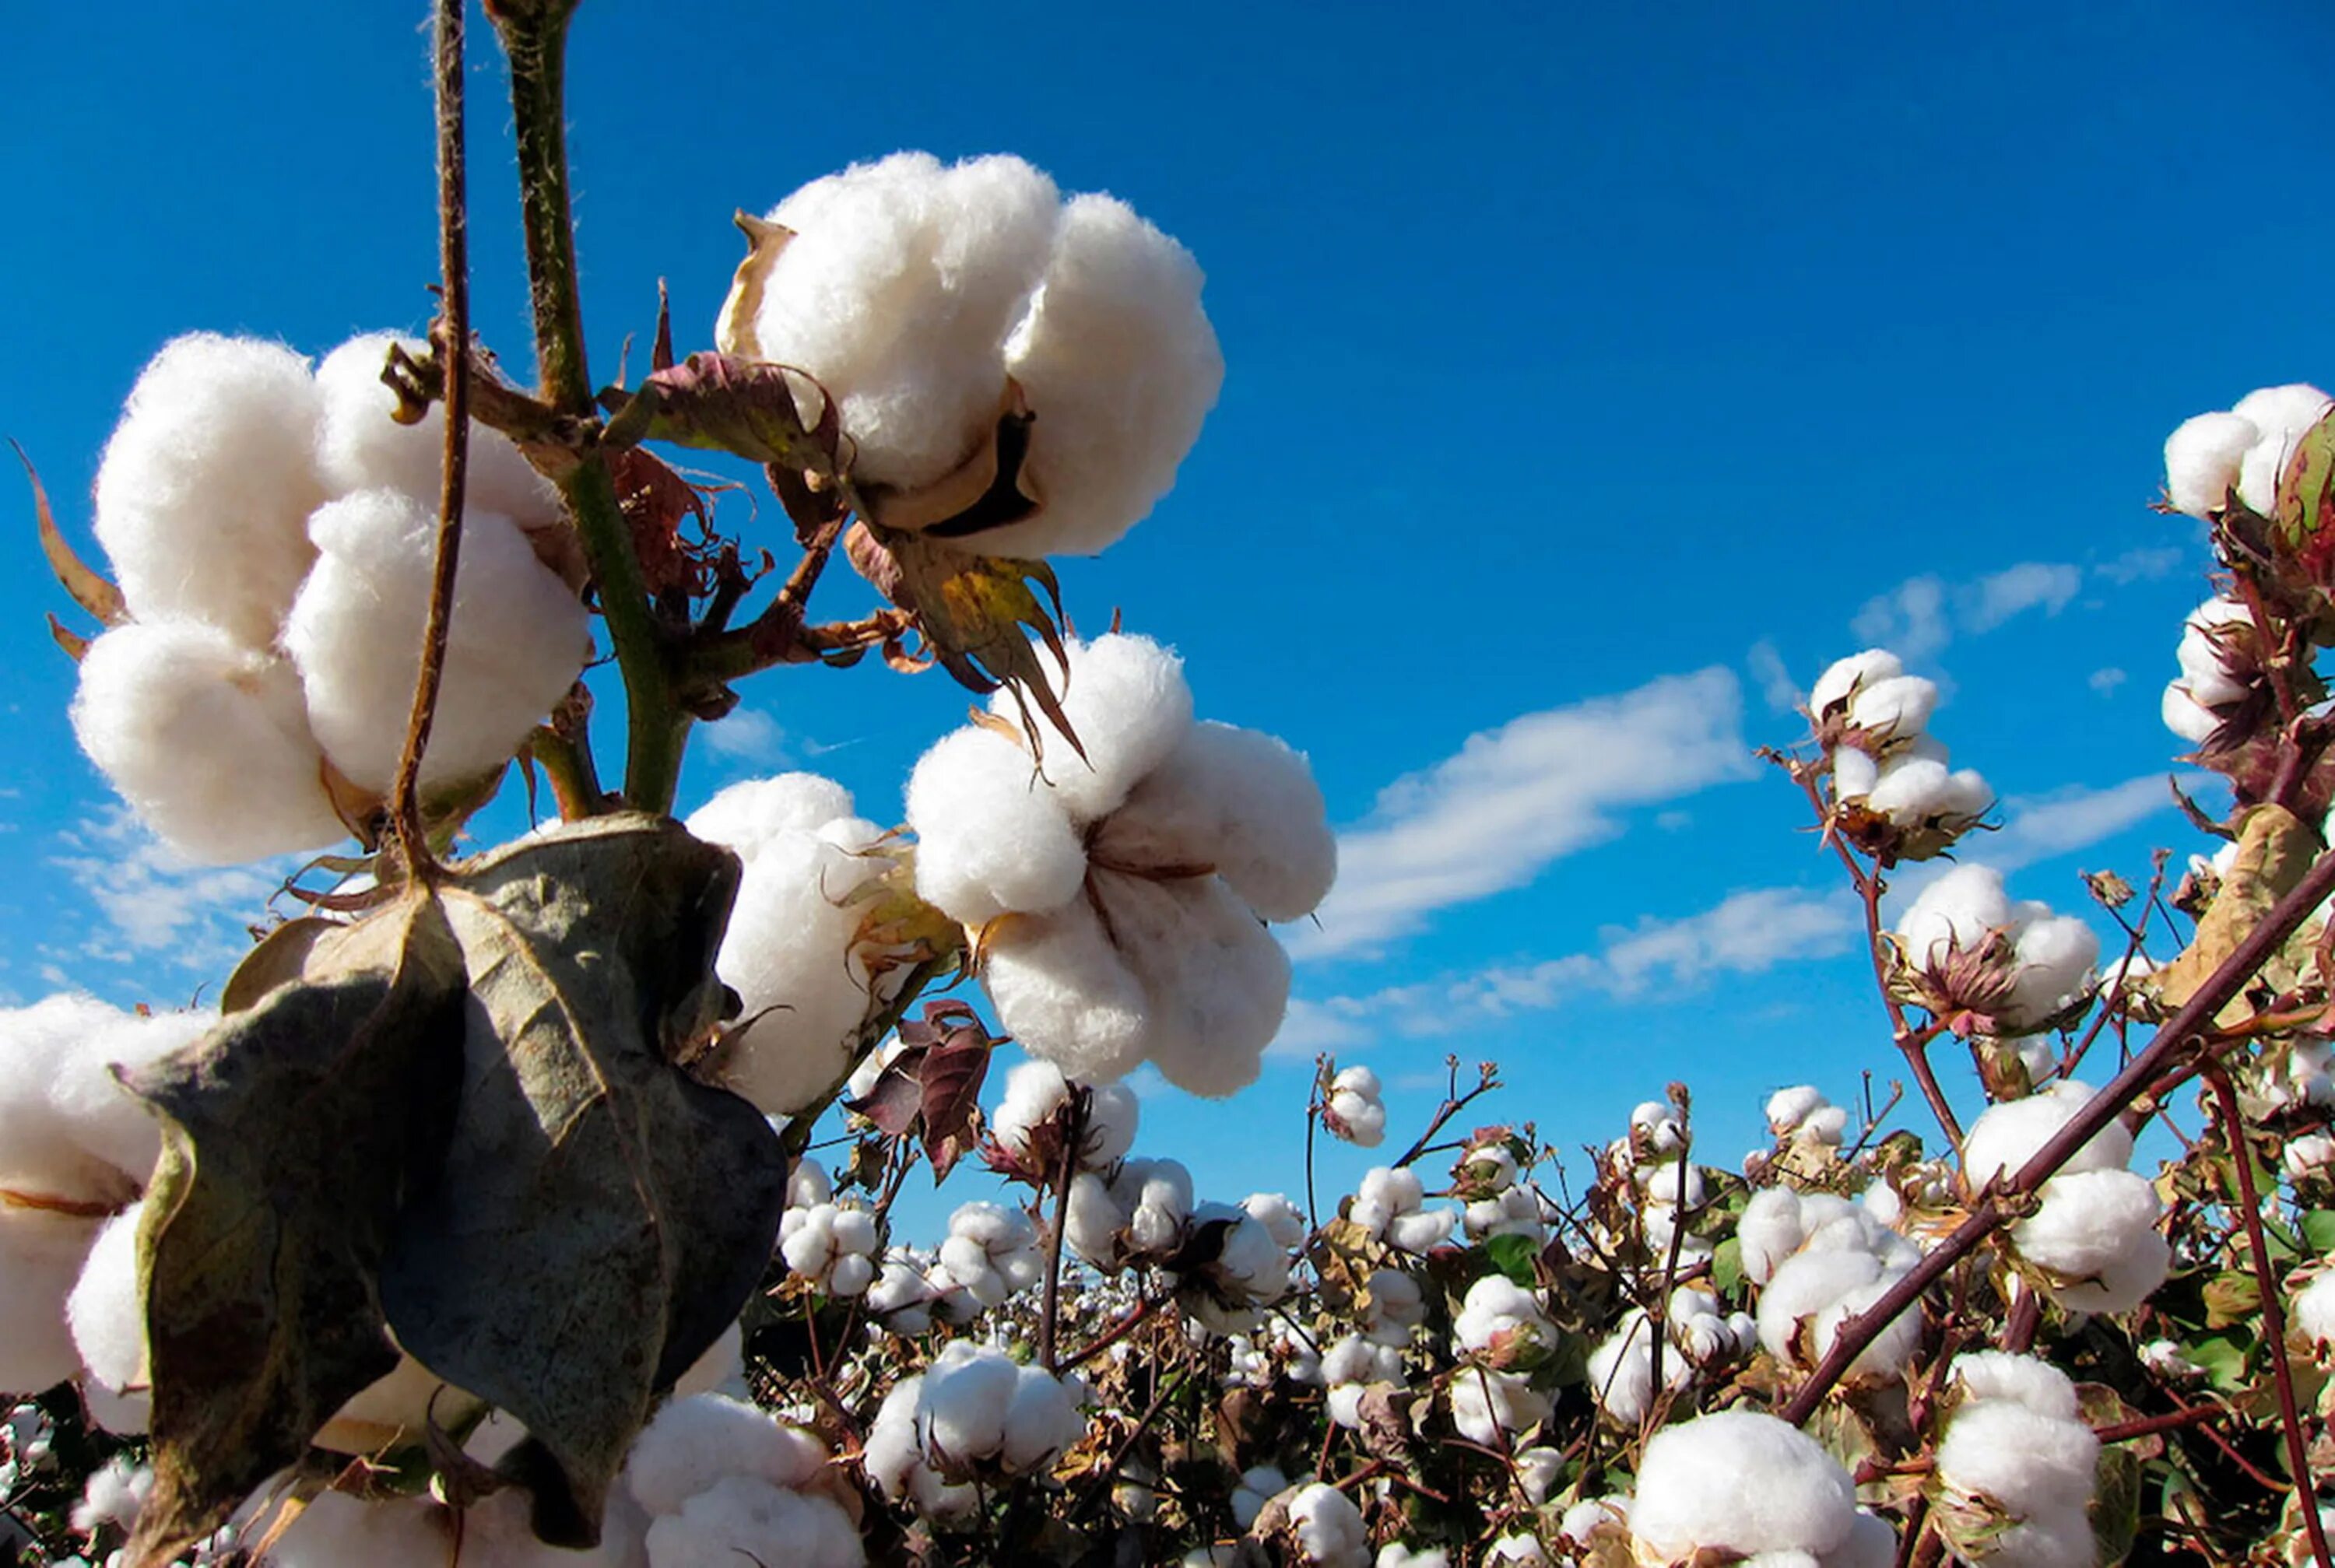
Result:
{"points": [[1513, 1255]]}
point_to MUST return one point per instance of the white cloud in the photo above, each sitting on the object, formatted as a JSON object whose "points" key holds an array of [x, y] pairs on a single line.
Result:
{"points": [[2145, 563], [746, 735], [2105, 681], [1512, 799], [2039, 827], [1746, 933], [1776, 687], [154, 907], [1910, 619], [1922, 615], [2031, 585]]}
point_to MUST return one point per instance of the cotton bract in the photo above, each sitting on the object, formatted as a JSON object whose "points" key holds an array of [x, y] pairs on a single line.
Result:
{"points": [[1119, 898]]}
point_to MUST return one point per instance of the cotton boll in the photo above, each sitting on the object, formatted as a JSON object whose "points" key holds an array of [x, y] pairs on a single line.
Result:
{"points": [[1742, 1482], [2203, 671], [1238, 800], [206, 485], [107, 1308], [742, 1519], [1498, 1314], [1853, 774], [808, 1184], [2027, 1463], [1126, 701], [1279, 1217], [896, 293], [1890, 1352], [1620, 1373], [1515, 1550], [2099, 1230], [1494, 1409], [1066, 994], [1118, 362], [2201, 460], [2283, 415], [2054, 959], [1900, 706], [2312, 1315], [1871, 1544], [360, 446], [337, 1531], [1786, 1109], [1259, 1483], [1845, 676], [962, 1411], [2027, 1382], [1803, 1286], [516, 639], [1395, 1307], [1329, 1528], [2186, 717], [755, 813], [1216, 983], [40, 1254], [901, 1298], [2006, 1135], [206, 739], [1768, 1232], [68, 1129], [1956, 911], [1396, 1554], [991, 837], [1040, 1422], [115, 1494]]}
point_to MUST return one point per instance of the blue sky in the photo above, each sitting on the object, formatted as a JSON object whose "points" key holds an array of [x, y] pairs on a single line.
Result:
{"points": [[1590, 375]]}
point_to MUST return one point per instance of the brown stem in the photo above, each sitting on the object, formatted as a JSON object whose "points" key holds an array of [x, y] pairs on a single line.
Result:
{"points": [[2148, 1425], [453, 333], [1135, 1319], [1074, 1132], [2177, 1034], [1453, 1104], [2273, 1309]]}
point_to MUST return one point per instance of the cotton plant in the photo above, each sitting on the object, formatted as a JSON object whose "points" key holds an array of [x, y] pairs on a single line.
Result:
{"points": [[1990, 965], [1820, 1261], [1746, 1484], [1390, 1206], [1118, 886], [1892, 789], [2215, 458], [1355, 1108], [1030, 1125], [2017, 1468], [2094, 1241], [2224, 666]]}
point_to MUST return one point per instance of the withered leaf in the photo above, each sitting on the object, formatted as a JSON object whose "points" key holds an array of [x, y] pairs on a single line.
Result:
{"points": [[292, 1133], [88, 586], [951, 1075], [2275, 849], [720, 402], [600, 1216]]}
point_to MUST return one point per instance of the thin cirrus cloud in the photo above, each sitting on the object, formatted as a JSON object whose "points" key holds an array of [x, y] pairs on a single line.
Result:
{"points": [[1922, 615], [1510, 801]]}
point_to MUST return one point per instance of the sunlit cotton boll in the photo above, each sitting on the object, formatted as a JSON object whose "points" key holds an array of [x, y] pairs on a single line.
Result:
{"points": [[695, 1442], [205, 490], [752, 814], [1495, 1408], [41, 1256], [2096, 1233], [743, 1519], [1843, 678], [1240, 800], [107, 1308], [2313, 1313], [978, 1409], [516, 639], [2203, 672], [68, 1129], [2283, 415], [1955, 911], [1355, 1112], [1035, 1091], [2054, 954], [831, 1246], [1500, 1318], [1897, 707], [2201, 460], [360, 446], [2006, 1135], [991, 1252], [206, 739], [1743, 1483]]}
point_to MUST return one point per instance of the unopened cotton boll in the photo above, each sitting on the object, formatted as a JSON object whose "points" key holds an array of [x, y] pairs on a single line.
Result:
{"points": [[207, 738], [1741, 1481], [742, 1519], [1329, 1528], [516, 641], [362, 446], [206, 485], [2201, 460], [1844, 677]]}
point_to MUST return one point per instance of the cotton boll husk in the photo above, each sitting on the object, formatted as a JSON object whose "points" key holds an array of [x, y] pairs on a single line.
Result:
{"points": [[753, 813], [1239, 801], [516, 639], [1899, 705], [1957, 910], [743, 1520], [107, 1309], [1890, 1352], [41, 1256], [1066, 994], [694, 1442], [1116, 360], [207, 740], [2055, 958], [1803, 1285], [991, 837], [207, 484], [2282, 414], [1842, 676], [1769, 1231], [2006, 1135], [788, 954], [1741, 1481], [2097, 1227], [2201, 460], [896, 294], [1215, 981], [2030, 1463], [1126, 700], [361, 447], [338, 1530]]}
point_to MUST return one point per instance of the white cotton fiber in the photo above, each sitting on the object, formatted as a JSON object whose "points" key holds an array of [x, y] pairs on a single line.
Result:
{"points": [[115, 1495], [206, 739], [2201, 460], [695, 1442], [2097, 1229], [789, 955], [204, 492], [1802, 1287], [744, 1520], [1126, 700], [107, 1310], [2030, 1463], [2283, 415], [360, 447], [68, 1129], [1119, 364], [753, 813], [1355, 1111], [338, 1530], [1957, 910], [1241, 801], [497, 1532], [40, 1253], [1889, 1353], [1329, 1527], [2205, 672], [2054, 958], [517, 639], [2006, 1135], [1495, 1408], [1741, 1481], [991, 837], [1768, 1232], [1215, 981], [2185, 717], [1067, 996], [1843, 677], [1896, 706], [2025, 1380]]}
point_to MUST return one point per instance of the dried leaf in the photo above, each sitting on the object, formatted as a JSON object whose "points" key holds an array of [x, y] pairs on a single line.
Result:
{"points": [[951, 1076], [2275, 849], [719, 402], [89, 588], [734, 329], [293, 1135]]}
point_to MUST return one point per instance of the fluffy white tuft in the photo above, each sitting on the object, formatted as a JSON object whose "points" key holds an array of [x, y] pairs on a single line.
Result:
{"points": [[1741, 1481], [360, 447]]}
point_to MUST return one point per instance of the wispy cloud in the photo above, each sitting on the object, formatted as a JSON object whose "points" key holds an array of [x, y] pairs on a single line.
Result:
{"points": [[747, 735], [1910, 619], [2144, 564], [1776, 688], [2015, 590], [1745, 934], [153, 908], [2039, 827], [1512, 799], [2106, 681], [1922, 615]]}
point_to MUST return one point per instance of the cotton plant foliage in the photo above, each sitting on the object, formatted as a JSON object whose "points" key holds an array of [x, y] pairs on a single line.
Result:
{"points": [[1118, 892], [272, 530]]}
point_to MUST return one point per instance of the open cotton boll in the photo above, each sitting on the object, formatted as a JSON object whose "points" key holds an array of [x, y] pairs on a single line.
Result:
{"points": [[742, 1520], [1494, 1408], [1041, 1420], [361, 446], [68, 1129], [1241, 801], [1802, 1287], [207, 740], [2006, 1135], [205, 490], [107, 1308], [1066, 994], [1258, 1484], [1216, 983], [116, 1493], [2313, 1312], [2097, 1229], [516, 639], [1399, 1555], [1395, 1305], [1126, 700], [2055, 958], [1842, 678], [1499, 1316], [2026, 1381], [1956, 911], [1768, 1232], [1741, 1481], [2030, 1463], [991, 837], [1854, 773], [1355, 1112], [499, 1532], [753, 813], [1621, 1372], [2201, 460], [2186, 716], [1119, 364], [2203, 671], [896, 292], [991, 1252], [41, 1256], [1898, 706], [1889, 1353], [1279, 1217], [2283, 415], [336, 1530], [1329, 1528]]}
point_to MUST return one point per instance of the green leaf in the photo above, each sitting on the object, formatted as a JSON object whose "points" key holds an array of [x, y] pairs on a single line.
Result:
{"points": [[2318, 1226], [1513, 1255], [2224, 1358], [1727, 1266]]}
